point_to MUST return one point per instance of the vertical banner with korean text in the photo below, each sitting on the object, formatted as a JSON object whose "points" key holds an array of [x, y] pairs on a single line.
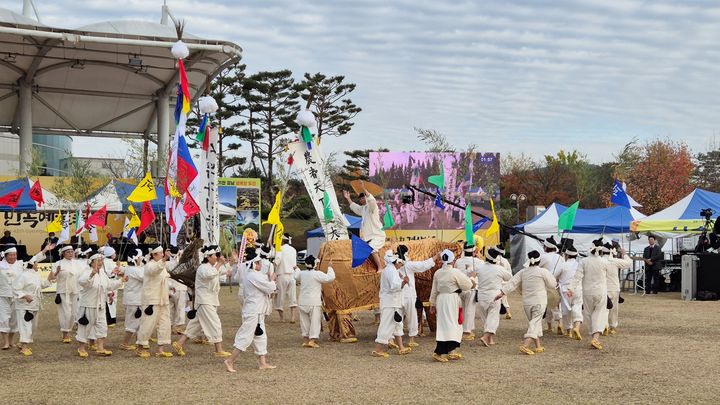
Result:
{"points": [[209, 217], [311, 166]]}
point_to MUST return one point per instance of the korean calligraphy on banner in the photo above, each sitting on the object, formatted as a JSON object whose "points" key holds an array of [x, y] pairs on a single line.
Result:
{"points": [[310, 165], [209, 217]]}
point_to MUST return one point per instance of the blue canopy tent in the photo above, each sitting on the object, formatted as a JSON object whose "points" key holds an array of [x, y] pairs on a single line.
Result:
{"points": [[316, 237], [590, 224]]}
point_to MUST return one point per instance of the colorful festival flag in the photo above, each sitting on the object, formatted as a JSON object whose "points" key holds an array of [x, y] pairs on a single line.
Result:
{"points": [[327, 210], [36, 193], [12, 199], [566, 220], [495, 226], [469, 233], [56, 225], [144, 191], [147, 217], [361, 250], [619, 196]]}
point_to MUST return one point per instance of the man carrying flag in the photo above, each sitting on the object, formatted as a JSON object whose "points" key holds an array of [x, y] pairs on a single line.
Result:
{"points": [[371, 229]]}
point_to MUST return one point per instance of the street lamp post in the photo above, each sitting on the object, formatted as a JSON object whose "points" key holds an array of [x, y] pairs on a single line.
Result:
{"points": [[518, 198]]}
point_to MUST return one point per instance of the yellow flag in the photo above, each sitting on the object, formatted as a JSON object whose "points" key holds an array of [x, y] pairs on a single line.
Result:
{"points": [[134, 219], [145, 190], [494, 227], [274, 219], [56, 225], [274, 215], [173, 189]]}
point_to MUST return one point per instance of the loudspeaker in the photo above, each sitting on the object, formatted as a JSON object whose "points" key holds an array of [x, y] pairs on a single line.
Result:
{"points": [[708, 273]]}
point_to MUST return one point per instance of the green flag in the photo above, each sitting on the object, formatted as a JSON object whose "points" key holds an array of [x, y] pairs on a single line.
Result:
{"points": [[306, 135], [566, 220], [439, 179], [469, 234], [388, 221], [327, 211]]}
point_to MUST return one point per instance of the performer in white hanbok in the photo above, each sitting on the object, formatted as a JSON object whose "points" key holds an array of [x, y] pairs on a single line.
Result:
{"points": [[619, 261], [11, 267], [94, 288], [178, 295], [66, 272], [205, 320], [391, 306], [469, 264], [310, 300], [448, 283], [28, 301], [110, 265], [490, 277], [571, 308], [258, 284], [533, 281], [410, 299], [501, 260], [371, 229], [132, 297], [285, 265], [155, 301], [552, 261], [591, 276]]}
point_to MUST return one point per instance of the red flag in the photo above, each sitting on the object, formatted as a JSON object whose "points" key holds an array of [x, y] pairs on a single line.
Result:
{"points": [[36, 193], [12, 198], [147, 217], [97, 219], [190, 206]]}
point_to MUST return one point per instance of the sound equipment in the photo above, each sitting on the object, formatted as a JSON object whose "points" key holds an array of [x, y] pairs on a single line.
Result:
{"points": [[708, 273]]}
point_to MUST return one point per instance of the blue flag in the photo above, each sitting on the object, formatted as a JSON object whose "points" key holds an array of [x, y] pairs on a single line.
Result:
{"points": [[477, 225], [618, 196], [360, 251], [438, 200]]}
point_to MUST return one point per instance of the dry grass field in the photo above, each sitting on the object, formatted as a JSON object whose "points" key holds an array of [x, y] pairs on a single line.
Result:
{"points": [[666, 352]]}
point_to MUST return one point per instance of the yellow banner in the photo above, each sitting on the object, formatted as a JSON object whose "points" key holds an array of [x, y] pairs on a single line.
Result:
{"points": [[677, 225]]}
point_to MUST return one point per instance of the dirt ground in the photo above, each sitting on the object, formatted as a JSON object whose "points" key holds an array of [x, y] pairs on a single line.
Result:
{"points": [[666, 352]]}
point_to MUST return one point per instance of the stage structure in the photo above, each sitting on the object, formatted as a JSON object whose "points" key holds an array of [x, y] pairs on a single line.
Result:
{"points": [[112, 79]]}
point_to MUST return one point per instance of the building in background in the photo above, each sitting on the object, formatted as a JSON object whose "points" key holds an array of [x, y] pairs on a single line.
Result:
{"points": [[51, 150]]}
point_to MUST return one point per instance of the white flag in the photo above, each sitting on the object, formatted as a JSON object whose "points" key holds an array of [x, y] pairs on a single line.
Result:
{"points": [[93, 234], [129, 232], [65, 233]]}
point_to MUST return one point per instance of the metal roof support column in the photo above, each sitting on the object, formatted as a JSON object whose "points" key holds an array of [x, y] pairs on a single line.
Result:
{"points": [[163, 126], [26, 126]]}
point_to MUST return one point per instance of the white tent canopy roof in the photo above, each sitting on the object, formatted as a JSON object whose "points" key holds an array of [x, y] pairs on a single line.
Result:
{"points": [[103, 79]]}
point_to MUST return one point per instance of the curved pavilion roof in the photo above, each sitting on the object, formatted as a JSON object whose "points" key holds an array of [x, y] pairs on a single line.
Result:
{"points": [[100, 80]]}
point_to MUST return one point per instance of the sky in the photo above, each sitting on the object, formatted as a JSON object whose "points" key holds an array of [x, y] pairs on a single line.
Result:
{"points": [[518, 76]]}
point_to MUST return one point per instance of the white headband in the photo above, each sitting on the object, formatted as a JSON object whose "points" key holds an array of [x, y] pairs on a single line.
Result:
{"points": [[65, 249], [158, 249], [11, 250], [447, 256], [95, 257]]}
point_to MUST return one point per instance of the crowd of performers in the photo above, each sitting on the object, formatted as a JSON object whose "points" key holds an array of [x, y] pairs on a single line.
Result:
{"points": [[463, 289]]}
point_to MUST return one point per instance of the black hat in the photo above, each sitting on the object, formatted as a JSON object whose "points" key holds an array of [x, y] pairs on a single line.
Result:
{"points": [[401, 251], [550, 242], [534, 257], [492, 254]]}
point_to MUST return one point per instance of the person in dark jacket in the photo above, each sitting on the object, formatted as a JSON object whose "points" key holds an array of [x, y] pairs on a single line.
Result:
{"points": [[653, 257]]}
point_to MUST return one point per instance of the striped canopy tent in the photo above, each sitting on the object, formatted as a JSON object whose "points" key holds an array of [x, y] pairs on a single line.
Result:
{"points": [[681, 218], [27, 204]]}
